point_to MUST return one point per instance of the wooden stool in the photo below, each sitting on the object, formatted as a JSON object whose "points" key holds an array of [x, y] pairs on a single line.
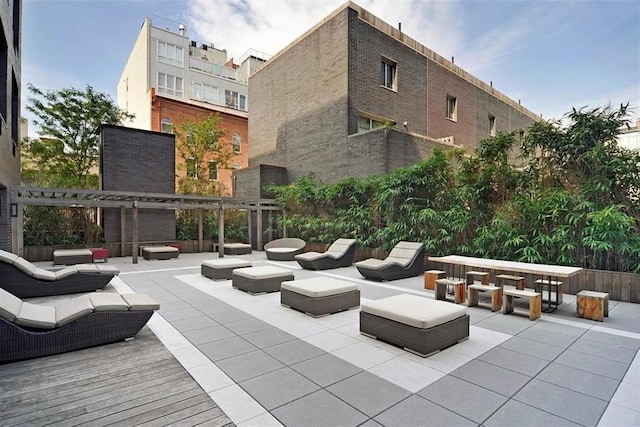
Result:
{"points": [[535, 302], [459, 291], [482, 275], [431, 276], [496, 295], [592, 305], [516, 281]]}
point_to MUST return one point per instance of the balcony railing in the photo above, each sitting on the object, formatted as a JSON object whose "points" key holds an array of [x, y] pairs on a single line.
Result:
{"points": [[217, 70]]}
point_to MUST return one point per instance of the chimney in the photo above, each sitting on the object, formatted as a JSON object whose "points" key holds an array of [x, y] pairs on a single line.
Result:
{"points": [[182, 30]]}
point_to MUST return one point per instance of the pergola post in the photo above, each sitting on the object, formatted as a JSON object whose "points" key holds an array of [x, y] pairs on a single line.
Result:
{"points": [[249, 231], [134, 233], [284, 224], [200, 228], [123, 230], [259, 233], [270, 221], [221, 231]]}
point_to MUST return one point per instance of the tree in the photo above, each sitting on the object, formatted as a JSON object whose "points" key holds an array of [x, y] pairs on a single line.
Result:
{"points": [[203, 153], [67, 151]]}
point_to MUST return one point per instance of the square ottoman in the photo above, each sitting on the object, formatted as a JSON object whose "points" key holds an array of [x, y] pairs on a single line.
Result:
{"points": [[258, 280], [319, 296], [237, 248], [72, 256], [221, 269], [420, 325]]}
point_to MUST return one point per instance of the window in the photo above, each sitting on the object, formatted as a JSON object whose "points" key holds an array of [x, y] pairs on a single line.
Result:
{"points": [[388, 74], [171, 85], [170, 54], [520, 135], [235, 142], [206, 93], [237, 166], [213, 171], [191, 167], [235, 100], [166, 125], [452, 108], [367, 123], [492, 125]]}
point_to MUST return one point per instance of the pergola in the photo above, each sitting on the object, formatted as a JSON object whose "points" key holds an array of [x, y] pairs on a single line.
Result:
{"points": [[70, 197]]}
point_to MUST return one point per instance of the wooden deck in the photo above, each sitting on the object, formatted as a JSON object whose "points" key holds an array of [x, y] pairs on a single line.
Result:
{"points": [[137, 382]]}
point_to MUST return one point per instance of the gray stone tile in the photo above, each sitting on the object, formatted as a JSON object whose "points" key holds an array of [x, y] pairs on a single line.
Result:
{"points": [[514, 361], [368, 393], [319, 409], [246, 326], [463, 398], [594, 348], [515, 413], [577, 380], [173, 306], [371, 423], [205, 335], [193, 323], [215, 309], [278, 387], [418, 412], [593, 364], [248, 365], [567, 404], [230, 316], [559, 328], [225, 348], [491, 377], [326, 369], [545, 337], [208, 302], [533, 348], [294, 351], [613, 340], [186, 313], [268, 337], [512, 325]]}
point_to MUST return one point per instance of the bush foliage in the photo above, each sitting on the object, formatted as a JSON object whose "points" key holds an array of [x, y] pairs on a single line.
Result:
{"points": [[575, 201]]}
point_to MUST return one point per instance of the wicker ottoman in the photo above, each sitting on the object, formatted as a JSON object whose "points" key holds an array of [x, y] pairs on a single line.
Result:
{"points": [[319, 296], [258, 280], [419, 325], [237, 248], [72, 256], [159, 252], [219, 269]]}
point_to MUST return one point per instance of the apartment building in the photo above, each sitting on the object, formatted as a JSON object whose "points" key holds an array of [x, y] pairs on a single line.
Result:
{"points": [[169, 78], [355, 96], [10, 68]]}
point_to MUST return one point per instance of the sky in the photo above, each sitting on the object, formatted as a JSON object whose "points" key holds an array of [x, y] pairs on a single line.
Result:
{"points": [[551, 55]]}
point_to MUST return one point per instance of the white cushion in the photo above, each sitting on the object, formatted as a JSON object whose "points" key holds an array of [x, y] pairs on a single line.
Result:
{"points": [[36, 316], [262, 272], [25, 266], [319, 286], [413, 310], [107, 269], [74, 309], [282, 250], [106, 301], [310, 256], [224, 263], [71, 252], [409, 245], [236, 245], [87, 268], [372, 263], [158, 249], [139, 302], [42, 274], [8, 257], [67, 271], [9, 305]]}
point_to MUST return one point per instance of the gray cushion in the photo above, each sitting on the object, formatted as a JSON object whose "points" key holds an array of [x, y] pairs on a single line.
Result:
{"points": [[25, 266], [8, 257], [108, 269], [71, 310], [263, 272], [67, 271], [224, 263], [317, 287], [159, 249], [36, 316], [140, 302], [107, 301], [311, 256], [87, 269], [414, 310], [9, 305], [71, 252], [42, 274], [372, 264]]}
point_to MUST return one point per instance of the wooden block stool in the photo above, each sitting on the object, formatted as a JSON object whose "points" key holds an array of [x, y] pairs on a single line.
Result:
{"points": [[459, 291], [496, 295], [516, 281], [482, 275], [592, 305], [431, 276], [535, 302]]}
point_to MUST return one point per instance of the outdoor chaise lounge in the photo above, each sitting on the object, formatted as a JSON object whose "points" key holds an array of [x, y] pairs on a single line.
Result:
{"points": [[284, 249], [25, 280], [406, 259], [31, 330], [339, 254]]}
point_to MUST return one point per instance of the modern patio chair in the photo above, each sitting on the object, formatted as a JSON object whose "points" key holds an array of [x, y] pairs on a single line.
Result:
{"points": [[406, 259], [339, 254], [25, 280], [31, 330], [284, 249]]}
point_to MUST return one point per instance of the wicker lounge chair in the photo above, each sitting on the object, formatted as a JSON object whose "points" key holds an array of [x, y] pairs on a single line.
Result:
{"points": [[339, 254], [30, 330], [284, 249], [406, 259], [25, 280]]}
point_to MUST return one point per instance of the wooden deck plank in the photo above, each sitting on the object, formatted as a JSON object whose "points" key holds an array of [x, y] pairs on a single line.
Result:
{"points": [[169, 415], [209, 419]]}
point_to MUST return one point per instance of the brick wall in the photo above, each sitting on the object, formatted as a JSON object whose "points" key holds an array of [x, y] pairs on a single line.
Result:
{"points": [[251, 183]]}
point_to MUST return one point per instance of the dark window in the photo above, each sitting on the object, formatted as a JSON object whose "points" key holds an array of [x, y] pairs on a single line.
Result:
{"points": [[213, 171], [15, 114], [388, 74], [191, 167], [16, 24], [4, 59], [492, 125], [452, 108]]}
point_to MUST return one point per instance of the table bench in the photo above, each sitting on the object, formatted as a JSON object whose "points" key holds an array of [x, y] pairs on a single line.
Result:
{"points": [[222, 268], [592, 305], [319, 296], [535, 302], [459, 290], [482, 275], [516, 281], [259, 280], [496, 295], [553, 285], [72, 256], [431, 276]]}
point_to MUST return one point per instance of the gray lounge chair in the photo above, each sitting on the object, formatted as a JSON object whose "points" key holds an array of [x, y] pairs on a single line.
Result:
{"points": [[31, 330], [284, 249], [339, 254], [25, 280], [406, 259]]}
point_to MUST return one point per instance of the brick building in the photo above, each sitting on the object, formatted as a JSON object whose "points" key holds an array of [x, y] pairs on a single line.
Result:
{"points": [[10, 66], [354, 96]]}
